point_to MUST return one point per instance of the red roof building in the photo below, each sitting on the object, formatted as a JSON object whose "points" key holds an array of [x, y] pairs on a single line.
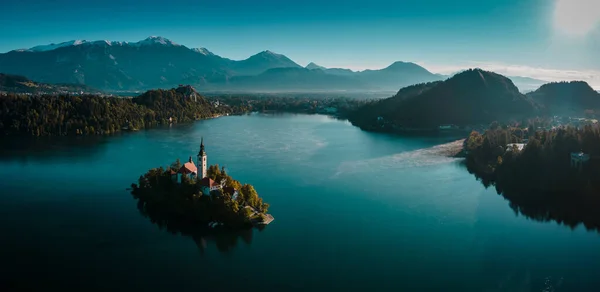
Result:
{"points": [[207, 182], [207, 185], [189, 168]]}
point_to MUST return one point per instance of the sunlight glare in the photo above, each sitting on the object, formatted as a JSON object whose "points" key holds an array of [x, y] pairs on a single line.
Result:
{"points": [[576, 17]]}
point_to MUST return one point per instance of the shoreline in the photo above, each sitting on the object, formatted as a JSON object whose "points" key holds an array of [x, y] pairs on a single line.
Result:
{"points": [[454, 149]]}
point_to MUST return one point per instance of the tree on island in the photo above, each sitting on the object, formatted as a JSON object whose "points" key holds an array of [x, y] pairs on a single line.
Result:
{"points": [[176, 165], [181, 206]]}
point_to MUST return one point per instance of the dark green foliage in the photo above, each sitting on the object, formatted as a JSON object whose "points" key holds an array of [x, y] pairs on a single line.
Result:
{"points": [[50, 115], [247, 194], [68, 115], [181, 207], [386, 108], [179, 104], [294, 104], [566, 98], [472, 97], [539, 181]]}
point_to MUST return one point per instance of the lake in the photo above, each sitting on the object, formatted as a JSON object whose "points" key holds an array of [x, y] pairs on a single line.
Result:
{"points": [[353, 210]]}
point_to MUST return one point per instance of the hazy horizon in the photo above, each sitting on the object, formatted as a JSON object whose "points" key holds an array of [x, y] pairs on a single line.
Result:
{"points": [[551, 40]]}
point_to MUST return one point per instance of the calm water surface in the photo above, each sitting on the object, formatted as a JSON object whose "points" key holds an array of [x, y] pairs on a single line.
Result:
{"points": [[353, 211]]}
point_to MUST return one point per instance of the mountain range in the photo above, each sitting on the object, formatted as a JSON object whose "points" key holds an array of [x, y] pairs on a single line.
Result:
{"points": [[157, 62]]}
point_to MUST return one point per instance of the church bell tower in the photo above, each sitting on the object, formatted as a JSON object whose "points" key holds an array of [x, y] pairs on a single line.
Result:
{"points": [[202, 158]]}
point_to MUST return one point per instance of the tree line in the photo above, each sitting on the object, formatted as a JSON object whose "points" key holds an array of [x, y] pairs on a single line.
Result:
{"points": [[61, 115], [540, 181], [52, 115], [309, 105]]}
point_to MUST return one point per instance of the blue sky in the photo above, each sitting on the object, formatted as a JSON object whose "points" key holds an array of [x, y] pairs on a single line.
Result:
{"points": [[549, 36]]}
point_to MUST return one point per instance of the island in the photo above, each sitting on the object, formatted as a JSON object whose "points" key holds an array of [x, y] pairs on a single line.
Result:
{"points": [[547, 174], [183, 198]]}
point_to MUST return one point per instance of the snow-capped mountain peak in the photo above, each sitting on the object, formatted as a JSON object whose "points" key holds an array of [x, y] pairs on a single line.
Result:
{"points": [[54, 46], [203, 51], [156, 40], [152, 40]]}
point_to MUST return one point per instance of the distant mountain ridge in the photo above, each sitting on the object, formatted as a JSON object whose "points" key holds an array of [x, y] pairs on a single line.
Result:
{"points": [[262, 62], [157, 62], [312, 66], [291, 78], [148, 41]]}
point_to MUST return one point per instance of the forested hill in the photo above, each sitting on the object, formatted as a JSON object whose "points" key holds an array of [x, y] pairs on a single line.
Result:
{"points": [[181, 104], [566, 98], [471, 97], [386, 108], [49, 115]]}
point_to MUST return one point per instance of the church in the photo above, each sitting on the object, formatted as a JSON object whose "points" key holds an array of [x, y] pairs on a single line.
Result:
{"points": [[207, 185]]}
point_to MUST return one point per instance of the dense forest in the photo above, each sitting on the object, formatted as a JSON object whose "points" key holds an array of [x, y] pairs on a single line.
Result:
{"points": [[469, 98], [566, 98], [366, 115], [539, 181], [309, 105], [181, 206], [59, 115]]}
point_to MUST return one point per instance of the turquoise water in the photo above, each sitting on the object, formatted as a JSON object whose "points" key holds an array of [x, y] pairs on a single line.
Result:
{"points": [[353, 211]]}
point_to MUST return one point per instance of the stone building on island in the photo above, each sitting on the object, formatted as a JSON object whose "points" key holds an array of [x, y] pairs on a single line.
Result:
{"points": [[207, 185]]}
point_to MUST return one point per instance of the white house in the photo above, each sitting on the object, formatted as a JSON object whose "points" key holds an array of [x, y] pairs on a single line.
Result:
{"points": [[230, 190], [520, 146]]}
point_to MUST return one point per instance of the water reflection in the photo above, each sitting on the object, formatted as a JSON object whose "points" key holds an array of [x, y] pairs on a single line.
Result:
{"points": [[530, 257], [569, 208], [225, 240], [27, 149]]}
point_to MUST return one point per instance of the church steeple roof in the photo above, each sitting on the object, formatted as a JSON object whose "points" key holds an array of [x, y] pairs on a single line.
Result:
{"points": [[202, 152]]}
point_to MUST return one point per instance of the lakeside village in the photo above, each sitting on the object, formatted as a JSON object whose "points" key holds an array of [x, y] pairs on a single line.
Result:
{"points": [[185, 198], [554, 123]]}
